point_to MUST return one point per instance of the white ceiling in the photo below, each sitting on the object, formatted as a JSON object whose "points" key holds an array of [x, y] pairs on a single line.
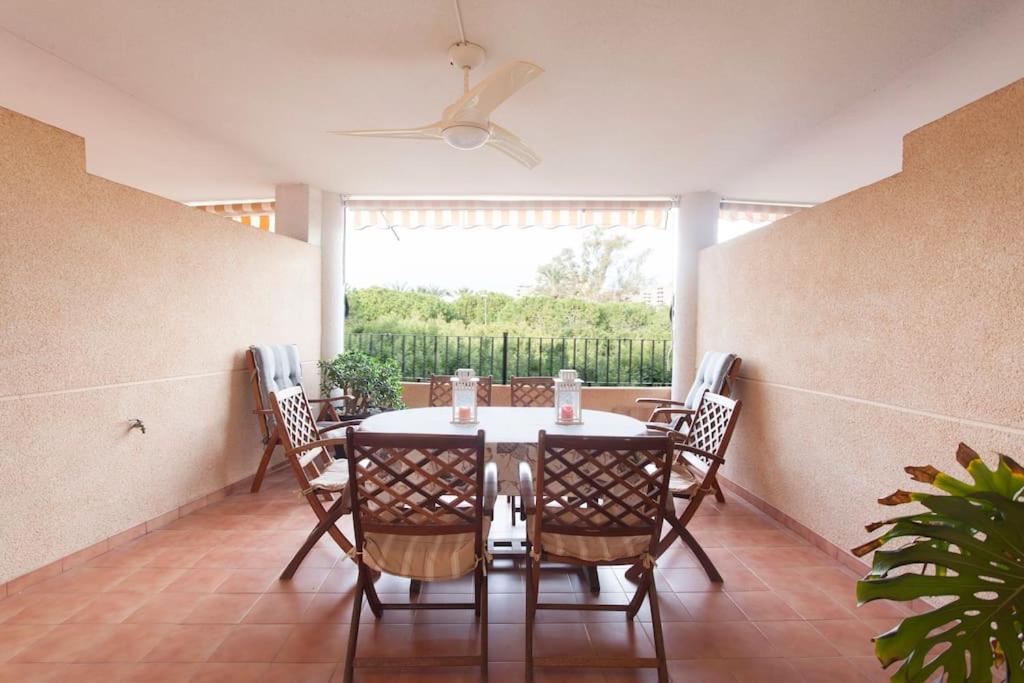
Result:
{"points": [[648, 97]]}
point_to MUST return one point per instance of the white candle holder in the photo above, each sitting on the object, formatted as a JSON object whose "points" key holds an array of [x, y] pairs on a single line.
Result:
{"points": [[464, 397], [568, 395]]}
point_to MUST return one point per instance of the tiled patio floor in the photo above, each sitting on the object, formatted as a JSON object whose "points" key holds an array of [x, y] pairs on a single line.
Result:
{"points": [[199, 601]]}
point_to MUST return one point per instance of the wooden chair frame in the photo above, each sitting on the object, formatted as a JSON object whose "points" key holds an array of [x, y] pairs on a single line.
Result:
{"points": [[441, 390], [270, 435], [703, 446], [532, 392], [529, 392], [668, 415], [309, 455], [411, 484], [615, 487]]}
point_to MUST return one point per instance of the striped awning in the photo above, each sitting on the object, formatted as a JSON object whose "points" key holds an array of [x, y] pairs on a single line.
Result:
{"points": [[756, 213], [257, 214], [485, 213], [498, 213]]}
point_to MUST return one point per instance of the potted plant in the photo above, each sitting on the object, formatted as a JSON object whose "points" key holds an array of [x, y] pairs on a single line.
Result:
{"points": [[373, 385], [966, 547]]}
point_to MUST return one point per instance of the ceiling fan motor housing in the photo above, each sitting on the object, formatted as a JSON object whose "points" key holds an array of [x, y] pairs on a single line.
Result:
{"points": [[466, 55]]}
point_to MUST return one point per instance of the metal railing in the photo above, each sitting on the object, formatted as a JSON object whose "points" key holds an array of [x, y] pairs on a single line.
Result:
{"points": [[599, 361]]}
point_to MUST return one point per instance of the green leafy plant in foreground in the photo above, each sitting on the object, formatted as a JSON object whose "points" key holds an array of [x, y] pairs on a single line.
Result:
{"points": [[972, 535], [371, 382]]}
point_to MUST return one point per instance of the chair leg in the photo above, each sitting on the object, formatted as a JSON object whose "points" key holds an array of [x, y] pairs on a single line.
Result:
{"points": [[261, 471], [512, 504], [353, 631], [702, 557], [593, 578], [333, 515], [415, 586], [659, 640], [482, 612], [372, 599], [532, 586], [719, 496], [641, 592]]}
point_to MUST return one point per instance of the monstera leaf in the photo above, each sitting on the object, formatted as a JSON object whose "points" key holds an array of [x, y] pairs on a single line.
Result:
{"points": [[972, 539]]}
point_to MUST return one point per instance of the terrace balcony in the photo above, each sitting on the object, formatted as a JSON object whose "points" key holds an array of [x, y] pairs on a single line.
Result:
{"points": [[182, 499]]}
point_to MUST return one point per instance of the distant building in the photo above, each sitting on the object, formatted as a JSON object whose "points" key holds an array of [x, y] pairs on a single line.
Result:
{"points": [[655, 296]]}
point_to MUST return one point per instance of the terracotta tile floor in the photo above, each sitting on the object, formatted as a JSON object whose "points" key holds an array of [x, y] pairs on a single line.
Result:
{"points": [[199, 600]]}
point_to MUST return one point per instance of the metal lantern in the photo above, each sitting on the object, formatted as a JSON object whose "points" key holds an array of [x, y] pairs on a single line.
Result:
{"points": [[568, 392], [464, 396]]}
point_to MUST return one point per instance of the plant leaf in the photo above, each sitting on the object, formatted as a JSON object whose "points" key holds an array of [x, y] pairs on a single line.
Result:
{"points": [[974, 538]]}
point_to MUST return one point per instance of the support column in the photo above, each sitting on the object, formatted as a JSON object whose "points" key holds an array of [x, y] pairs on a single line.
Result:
{"points": [[298, 212], [312, 215], [696, 216], [332, 276]]}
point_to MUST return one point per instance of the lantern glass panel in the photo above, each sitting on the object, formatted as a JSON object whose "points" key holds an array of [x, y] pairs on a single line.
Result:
{"points": [[568, 395], [464, 396]]}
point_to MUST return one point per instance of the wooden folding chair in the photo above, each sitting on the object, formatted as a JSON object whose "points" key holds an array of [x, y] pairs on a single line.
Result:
{"points": [[698, 455], [441, 390], [529, 392], [422, 507], [321, 478], [272, 368], [717, 373], [532, 392], [598, 501]]}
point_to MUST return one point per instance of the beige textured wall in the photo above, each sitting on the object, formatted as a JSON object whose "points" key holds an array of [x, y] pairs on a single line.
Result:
{"points": [[880, 328], [612, 399], [115, 304]]}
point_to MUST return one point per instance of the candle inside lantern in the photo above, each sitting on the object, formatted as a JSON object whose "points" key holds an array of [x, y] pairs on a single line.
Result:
{"points": [[464, 414], [566, 413]]}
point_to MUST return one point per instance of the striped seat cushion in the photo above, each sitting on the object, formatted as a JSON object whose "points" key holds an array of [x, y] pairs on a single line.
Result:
{"points": [[591, 548], [427, 558]]}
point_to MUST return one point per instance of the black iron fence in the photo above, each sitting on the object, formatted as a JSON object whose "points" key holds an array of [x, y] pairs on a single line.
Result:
{"points": [[599, 361]]}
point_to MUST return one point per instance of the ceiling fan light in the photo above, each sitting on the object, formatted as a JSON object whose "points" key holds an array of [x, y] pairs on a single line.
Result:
{"points": [[465, 136]]}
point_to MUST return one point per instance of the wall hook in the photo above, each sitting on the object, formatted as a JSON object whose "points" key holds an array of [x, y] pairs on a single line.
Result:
{"points": [[136, 423]]}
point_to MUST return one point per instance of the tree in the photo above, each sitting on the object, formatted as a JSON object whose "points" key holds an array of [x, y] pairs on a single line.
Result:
{"points": [[602, 270]]}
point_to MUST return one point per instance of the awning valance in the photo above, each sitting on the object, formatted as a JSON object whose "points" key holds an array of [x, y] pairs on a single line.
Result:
{"points": [[756, 213], [257, 214], [483, 213], [503, 213]]}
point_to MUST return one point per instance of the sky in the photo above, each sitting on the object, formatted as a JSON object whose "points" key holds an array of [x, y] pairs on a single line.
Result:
{"points": [[499, 260]]}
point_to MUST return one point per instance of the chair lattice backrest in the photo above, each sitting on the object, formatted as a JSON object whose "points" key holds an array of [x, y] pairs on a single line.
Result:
{"points": [[441, 390], [602, 486], [533, 392], [299, 428], [416, 483], [711, 430]]}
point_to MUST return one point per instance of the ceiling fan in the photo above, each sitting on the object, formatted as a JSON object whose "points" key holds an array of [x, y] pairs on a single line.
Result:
{"points": [[466, 123]]}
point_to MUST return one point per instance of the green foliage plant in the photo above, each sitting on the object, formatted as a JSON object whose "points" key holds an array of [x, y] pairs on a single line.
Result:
{"points": [[967, 547], [373, 383]]}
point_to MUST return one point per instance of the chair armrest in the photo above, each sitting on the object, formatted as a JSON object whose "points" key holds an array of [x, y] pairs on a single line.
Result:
{"points": [[262, 411], [661, 402], [322, 443], [331, 399], [687, 448], [337, 425], [687, 413], [526, 491], [490, 488]]}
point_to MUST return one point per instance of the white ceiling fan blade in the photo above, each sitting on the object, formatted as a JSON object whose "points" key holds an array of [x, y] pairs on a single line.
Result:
{"points": [[510, 145], [428, 132], [485, 96]]}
